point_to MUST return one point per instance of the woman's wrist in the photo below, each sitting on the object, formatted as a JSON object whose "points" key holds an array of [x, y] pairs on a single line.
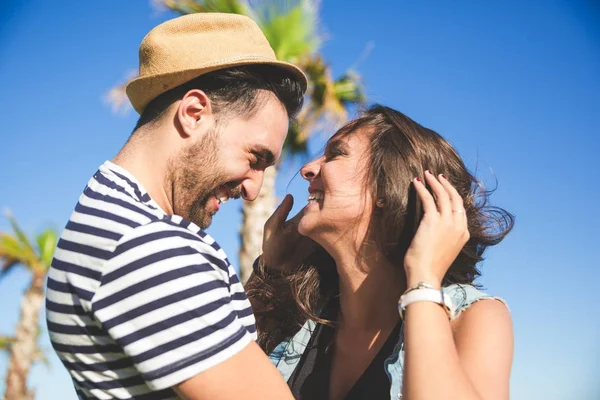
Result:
{"points": [[423, 290], [414, 278]]}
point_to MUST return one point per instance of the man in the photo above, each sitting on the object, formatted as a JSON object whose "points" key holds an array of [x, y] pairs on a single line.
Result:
{"points": [[141, 302]]}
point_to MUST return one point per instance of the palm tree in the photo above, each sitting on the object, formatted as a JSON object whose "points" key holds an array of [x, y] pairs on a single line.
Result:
{"points": [[291, 27], [16, 249]]}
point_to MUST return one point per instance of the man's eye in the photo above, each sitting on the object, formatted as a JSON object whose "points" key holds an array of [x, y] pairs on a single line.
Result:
{"points": [[259, 160]]}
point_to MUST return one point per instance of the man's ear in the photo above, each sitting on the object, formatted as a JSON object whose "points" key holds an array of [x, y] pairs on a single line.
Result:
{"points": [[194, 113]]}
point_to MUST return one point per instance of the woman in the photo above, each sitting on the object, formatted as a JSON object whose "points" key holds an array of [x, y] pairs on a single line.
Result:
{"points": [[394, 228]]}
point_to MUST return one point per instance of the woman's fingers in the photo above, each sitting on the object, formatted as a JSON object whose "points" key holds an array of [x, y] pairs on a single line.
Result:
{"points": [[456, 201], [278, 217], [427, 201], [442, 197], [448, 202]]}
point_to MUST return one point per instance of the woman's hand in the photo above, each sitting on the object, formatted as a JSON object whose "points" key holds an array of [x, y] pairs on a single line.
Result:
{"points": [[283, 247], [441, 235]]}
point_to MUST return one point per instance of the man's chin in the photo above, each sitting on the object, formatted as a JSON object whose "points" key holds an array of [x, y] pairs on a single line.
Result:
{"points": [[204, 221], [203, 218]]}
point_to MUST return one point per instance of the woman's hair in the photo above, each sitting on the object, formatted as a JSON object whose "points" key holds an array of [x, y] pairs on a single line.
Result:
{"points": [[400, 150]]}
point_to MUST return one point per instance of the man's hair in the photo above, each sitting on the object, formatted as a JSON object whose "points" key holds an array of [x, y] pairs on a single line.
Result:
{"points": [[233, 92]]}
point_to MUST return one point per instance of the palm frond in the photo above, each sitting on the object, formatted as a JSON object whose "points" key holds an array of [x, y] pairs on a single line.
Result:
{"points": [[18, 231], [46, 242], [184, 7], [349, 89], [296, 142], [17, 249], [291, 27], [13, 251], [326, 101], [318, 76], [10, 247]]}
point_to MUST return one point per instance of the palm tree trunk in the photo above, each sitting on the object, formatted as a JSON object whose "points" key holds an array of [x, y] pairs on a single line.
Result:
{"points": [[254, 215], [24, 348]]}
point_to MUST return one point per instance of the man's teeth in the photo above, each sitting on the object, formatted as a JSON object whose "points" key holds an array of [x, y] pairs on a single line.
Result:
{"points": [[315, 196], [222, 196]]}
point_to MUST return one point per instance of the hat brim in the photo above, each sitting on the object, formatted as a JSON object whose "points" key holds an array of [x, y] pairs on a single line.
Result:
{"points": [[143, 90]]}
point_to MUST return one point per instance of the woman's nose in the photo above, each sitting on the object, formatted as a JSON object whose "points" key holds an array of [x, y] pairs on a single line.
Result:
{"points": [[310, 170]]}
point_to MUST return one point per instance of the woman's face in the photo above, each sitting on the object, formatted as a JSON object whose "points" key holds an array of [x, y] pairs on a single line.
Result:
{"points": [[338, 202]]}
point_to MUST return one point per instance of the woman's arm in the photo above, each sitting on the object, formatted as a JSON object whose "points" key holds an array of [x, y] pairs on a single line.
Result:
{"points": [[470, 357], [268, 288]]}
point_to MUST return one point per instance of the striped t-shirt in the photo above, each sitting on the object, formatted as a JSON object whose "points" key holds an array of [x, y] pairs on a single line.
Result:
{"points": [[139, 301]]}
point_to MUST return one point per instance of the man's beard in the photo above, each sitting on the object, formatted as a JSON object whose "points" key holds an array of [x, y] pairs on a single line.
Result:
{"points": [[197, 176]]}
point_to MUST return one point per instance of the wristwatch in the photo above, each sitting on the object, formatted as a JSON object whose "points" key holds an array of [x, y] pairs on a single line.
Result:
{"points": [[425, 292]]}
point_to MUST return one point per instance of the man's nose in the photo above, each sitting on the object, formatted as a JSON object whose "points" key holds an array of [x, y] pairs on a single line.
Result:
{"points": [[251, 186]]}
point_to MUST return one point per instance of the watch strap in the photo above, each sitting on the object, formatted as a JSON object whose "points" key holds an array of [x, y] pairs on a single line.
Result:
{"points": [[425, 294]]}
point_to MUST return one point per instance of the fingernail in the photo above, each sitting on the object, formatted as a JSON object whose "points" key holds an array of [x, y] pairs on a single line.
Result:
{"points": [[418, 179], [443, 176], [429, 171]]}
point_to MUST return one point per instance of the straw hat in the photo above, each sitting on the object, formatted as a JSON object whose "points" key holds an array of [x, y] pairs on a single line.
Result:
{"points": [[186, 47]]}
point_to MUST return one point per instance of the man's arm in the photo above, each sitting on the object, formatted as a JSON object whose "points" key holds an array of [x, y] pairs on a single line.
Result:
{"points": [[247, 375], [165, 299]]}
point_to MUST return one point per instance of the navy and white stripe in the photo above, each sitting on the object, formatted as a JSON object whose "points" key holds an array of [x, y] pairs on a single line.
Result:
{"points": [[139, 301]]}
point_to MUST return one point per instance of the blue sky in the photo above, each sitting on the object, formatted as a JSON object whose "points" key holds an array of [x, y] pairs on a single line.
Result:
{"points": [[515, 87]]}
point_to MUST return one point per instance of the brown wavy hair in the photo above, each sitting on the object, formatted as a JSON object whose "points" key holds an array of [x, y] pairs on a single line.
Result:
{"points": [[400, 149]]}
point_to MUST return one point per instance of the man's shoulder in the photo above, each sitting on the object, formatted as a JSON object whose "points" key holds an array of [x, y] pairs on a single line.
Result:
{"points": [[175, 234], [105, 213], [162, 263], [115, 223], [121, 203], [115, 199]]}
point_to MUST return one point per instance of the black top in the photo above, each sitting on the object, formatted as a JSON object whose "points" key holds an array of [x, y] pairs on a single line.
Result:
{"points": [[310, 379]]}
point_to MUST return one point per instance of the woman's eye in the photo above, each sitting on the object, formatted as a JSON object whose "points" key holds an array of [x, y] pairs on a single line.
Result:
{"points": [[333, 153]]}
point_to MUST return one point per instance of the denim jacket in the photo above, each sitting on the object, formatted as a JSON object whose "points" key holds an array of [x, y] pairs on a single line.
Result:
{"points": [[288, 353]]}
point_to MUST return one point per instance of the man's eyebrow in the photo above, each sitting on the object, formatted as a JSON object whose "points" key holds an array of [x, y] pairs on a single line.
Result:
{"points": [[267, 154]]}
